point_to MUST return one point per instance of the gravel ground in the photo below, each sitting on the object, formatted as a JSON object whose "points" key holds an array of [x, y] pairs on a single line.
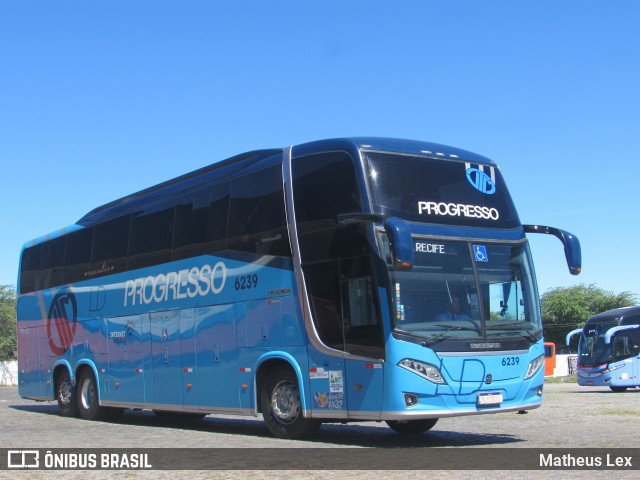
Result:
{"points": [[571, 417]]}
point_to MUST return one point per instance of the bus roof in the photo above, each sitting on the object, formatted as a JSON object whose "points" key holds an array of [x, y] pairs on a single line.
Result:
{"points": [[617, 314], [216, 171], [223, 169], [213, 172], [396, 145]]}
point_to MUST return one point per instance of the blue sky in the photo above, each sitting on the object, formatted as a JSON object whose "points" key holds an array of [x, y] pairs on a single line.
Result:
{"points": [[98, 100]]}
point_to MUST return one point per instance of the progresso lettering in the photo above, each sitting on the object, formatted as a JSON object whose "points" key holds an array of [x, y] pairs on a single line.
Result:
{"points": [[458, 210], [187, 283]]}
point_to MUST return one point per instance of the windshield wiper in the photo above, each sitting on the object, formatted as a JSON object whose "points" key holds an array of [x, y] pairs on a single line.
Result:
{"points": [[457, 327], [422, 343], [526, 334], [518, 323], [447, 328]]}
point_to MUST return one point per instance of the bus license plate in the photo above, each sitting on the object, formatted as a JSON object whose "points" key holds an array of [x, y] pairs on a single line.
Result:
{"points": [[490, 398]]}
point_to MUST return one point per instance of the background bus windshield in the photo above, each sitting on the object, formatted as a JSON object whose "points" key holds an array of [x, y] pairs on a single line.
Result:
{"points": [[592, 349]]}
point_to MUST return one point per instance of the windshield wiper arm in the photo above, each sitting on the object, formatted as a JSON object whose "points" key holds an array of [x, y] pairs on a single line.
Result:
{"points": [[422, 343], [457, 327], [443, 335], [428, 341], [508, 324], [526, 334]]}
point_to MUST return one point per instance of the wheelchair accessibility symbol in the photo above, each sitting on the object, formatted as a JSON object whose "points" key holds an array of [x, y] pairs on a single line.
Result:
{"points": [[480, 252]]}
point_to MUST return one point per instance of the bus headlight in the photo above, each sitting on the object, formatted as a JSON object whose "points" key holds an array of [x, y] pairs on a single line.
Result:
{"points": [[534, 366], [425, 370]]}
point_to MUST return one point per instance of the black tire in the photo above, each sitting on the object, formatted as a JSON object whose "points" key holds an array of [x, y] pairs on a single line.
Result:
{"points": [[88, 405], [66, 395], [618, 389], [282, 407], [412, 427]]}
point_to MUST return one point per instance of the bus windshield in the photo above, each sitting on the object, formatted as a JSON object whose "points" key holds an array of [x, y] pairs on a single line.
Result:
{"points": [[460, 291], [591, 349], [441, 191]]}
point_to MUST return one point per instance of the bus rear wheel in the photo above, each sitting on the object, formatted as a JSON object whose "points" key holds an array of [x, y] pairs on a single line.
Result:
{"points": [[412, 426], [66, 395], [88, 404], [282, 407]]}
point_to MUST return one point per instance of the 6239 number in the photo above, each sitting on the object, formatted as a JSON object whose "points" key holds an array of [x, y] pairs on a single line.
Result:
{"points": [[246, 282], [510, 361]]}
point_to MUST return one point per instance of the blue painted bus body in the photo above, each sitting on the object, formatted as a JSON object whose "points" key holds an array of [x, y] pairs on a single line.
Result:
{"points": [[203, 333], [145, 354]]}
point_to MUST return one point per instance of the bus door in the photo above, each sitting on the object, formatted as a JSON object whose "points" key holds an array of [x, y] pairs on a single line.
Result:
{"points": [[188, 376], [166, 360], [363, 337], [30, 373], [347, 319], [326, 368], [217, 357], [128, 349], [336, 263]]}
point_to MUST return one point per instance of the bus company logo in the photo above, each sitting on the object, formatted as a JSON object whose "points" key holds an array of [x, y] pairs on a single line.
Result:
{"points": [[488, 379], [481, 181], [62, 321]]}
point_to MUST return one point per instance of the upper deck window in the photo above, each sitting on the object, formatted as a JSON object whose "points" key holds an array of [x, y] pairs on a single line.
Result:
{"points": [[443, 191]]}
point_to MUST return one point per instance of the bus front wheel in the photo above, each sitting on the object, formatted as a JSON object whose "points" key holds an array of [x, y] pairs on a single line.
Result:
{"points": [[412, 426], [282, 407], [618, 389], [88, 404], [66, 395]]}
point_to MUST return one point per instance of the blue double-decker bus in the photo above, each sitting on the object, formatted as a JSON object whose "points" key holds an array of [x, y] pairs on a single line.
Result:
{"points": [[334, 281], [609, 349]]}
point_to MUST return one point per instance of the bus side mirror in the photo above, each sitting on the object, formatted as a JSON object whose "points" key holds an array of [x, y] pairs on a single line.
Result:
{"points": [[572, 333], [611, 332], [397, 230], [401, 242], [571, 244]]}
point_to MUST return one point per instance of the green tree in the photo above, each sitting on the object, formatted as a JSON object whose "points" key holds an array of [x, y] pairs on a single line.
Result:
{"points": [[8, 350], [567, 308]]}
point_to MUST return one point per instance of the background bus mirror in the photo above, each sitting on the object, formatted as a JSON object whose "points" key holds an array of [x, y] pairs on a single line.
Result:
{"points": [[571, 334], [572, 251], [610, 333], [401, 243]]}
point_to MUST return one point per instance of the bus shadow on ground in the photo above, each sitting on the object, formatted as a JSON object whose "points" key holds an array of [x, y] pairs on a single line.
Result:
{"points": [[375, 435]]}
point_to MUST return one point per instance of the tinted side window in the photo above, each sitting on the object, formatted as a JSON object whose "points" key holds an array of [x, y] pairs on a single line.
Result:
{"points": [[77, 256], [324, 299], [29, 267], [109, 250], [336, 258], [52, 263], [362, 320], [151, 237], [625, 345], [324, 186], [201, 222], [257, 220]]}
